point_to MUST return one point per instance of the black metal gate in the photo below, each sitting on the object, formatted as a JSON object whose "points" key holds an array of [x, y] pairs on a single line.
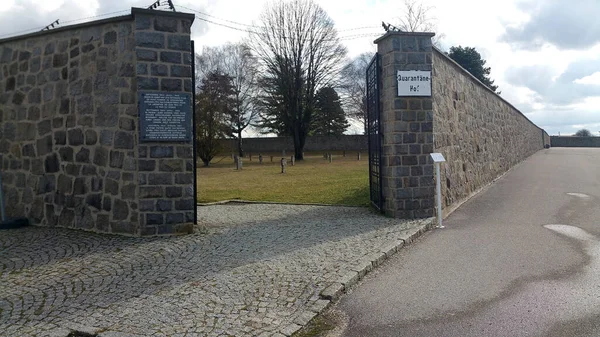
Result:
{"points": [[374, 133], [195, 170]]}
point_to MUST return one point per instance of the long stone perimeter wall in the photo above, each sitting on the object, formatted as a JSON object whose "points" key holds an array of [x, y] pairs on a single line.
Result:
{"points": [[480, 135], [69, 140]]}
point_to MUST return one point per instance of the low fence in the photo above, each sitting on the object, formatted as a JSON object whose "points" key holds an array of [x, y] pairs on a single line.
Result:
{"points": [[571, 141], [315, 143]]}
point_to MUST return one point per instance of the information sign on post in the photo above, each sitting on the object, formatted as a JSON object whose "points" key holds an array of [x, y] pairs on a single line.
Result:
{"points": [[165, 117], [414, 83]]}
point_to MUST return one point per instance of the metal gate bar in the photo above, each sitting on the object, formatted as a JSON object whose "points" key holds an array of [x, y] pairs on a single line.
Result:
{"points": [[374, 133]]}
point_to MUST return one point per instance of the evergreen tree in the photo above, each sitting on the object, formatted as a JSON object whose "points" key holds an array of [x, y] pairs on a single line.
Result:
{"points": [[214, 104], [471, 60], [329, 118]]}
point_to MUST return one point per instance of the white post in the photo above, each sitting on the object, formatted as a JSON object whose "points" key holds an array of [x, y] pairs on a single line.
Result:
{"points": [[438, 158], [439, 194]]}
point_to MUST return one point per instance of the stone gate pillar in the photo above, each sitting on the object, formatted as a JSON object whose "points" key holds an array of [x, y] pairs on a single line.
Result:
{"points": [[165, 142], [407, 125]]}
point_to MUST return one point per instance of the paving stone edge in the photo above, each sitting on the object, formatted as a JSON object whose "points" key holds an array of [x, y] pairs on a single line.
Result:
{"points": [[333, 292], [240, 201]]}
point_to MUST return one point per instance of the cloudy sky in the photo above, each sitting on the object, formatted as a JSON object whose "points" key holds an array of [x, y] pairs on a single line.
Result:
{"points": [[544, 54]]}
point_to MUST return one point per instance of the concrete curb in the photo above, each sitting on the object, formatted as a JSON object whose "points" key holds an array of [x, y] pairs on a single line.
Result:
{"points": [[239, 201], [336, 289]]}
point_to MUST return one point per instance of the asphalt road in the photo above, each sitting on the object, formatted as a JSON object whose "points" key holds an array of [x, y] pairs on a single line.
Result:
{"points": [[522, 258]]}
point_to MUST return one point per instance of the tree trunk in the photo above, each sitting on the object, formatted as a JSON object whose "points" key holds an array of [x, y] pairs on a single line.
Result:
{"points": [[239, 143], [298, 144]]}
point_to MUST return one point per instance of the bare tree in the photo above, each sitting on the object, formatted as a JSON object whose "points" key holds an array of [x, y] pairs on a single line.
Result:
{"points": [[417, 17], [353, 88], [583, 133], [237, 62], [299, 52]]}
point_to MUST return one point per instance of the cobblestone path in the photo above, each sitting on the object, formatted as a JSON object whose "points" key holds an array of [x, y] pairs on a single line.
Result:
{"points": [[256, 270]]}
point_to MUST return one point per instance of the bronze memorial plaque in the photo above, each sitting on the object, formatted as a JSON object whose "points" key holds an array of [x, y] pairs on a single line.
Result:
{"points": [[165, 117]]}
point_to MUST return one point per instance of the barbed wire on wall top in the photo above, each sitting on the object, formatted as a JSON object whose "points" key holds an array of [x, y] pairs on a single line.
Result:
{"points": [[55, 22]]}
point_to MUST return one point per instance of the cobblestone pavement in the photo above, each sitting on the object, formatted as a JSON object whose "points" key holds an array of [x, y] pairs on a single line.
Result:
{"points": [[254, 270]]}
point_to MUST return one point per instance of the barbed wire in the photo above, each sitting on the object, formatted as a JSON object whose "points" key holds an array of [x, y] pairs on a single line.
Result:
{"points": [[62, 23], [251, 29]]}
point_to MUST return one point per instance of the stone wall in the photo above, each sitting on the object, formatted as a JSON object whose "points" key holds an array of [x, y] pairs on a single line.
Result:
{"points": [[315, 143], [480, 134], [572, 141], [69, 142]]}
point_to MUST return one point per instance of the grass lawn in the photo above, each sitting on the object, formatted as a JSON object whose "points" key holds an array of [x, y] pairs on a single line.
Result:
{"points": [[345, 181]]}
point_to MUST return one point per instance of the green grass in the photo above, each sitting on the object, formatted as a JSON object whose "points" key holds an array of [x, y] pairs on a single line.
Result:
{"points": [[345, 181]]}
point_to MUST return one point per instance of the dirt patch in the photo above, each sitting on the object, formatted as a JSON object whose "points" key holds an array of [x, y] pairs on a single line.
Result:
{"points": [[330, 323]]}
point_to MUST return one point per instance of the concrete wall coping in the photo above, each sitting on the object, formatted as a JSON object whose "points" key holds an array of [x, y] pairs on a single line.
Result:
{"points": [[395, 33], [478, 82], [69, 27], [127, 17], [180, 15]]}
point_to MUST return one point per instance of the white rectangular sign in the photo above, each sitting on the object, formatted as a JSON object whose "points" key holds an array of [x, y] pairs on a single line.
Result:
{"points": [[414, 83], [437, 157]]}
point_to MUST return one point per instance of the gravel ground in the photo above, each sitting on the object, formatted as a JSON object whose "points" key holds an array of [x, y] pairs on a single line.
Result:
{"points": [[250, 269]]}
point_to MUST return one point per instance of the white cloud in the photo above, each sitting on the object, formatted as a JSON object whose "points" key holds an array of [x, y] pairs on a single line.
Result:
{"points": [[593, 79]]}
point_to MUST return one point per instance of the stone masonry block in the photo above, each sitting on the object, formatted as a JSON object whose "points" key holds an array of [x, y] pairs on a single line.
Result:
{"points": [[147, 165], [184, 178], [147, 83], [170, 57], [124, 140], [151, 40], [120, 210], [111, 186], [416, 58], [83, 156], [169, 84], [179, 42], [174, 218], [110, 37], [415, 104], [161, 151], [142, 69], [181, 71], [164, 205], [160, 179], [185, 204], [166, 24], [155, 219], [143, 22], [173, 165], [147, 205], [173, 192], [75, 137], [185, 152], [146, 55], [116, 159], [150, 192], [159, 70]]}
